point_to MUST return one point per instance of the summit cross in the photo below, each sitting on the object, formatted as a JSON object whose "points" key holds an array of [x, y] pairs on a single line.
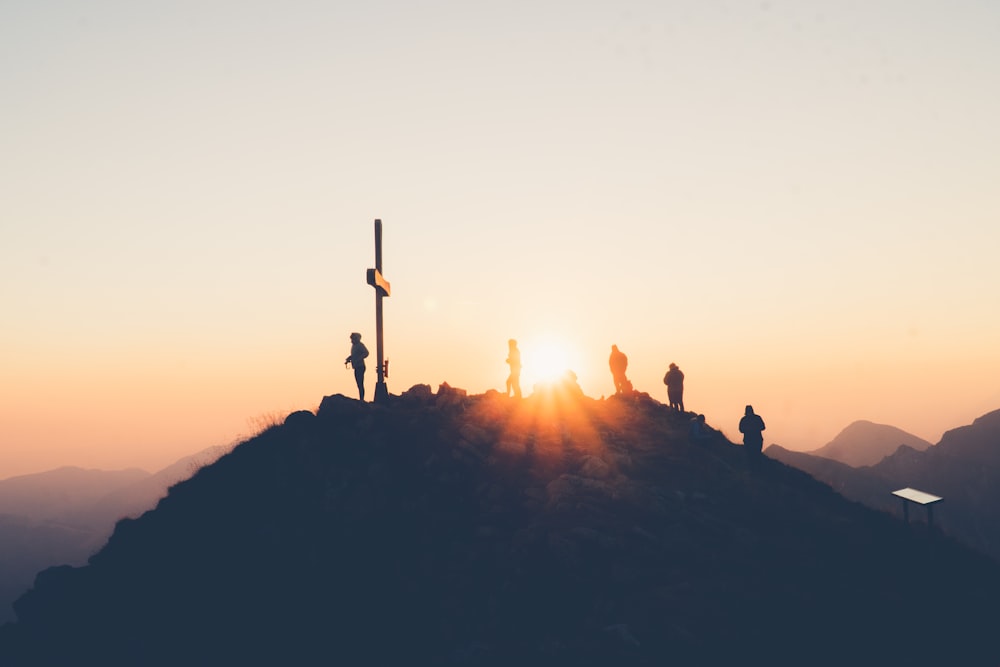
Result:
{"points": [[381, 285]]}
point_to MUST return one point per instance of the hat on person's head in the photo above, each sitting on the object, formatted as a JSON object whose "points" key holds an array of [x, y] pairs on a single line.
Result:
{"points": [[355, 336], [672, 365]]}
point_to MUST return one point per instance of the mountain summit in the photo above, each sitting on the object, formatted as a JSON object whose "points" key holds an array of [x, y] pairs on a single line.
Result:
{"points": [[865, 443], [446, 529]]}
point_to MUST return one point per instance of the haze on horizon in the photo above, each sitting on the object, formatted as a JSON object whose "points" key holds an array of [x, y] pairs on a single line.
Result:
{"points": [[796, 202]]}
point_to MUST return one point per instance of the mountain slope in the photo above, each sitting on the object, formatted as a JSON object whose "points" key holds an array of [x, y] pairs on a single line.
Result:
{"points": [[65, 515], [558, 530], [28, 545], [864, 443], [964, 468], [132, 499]]}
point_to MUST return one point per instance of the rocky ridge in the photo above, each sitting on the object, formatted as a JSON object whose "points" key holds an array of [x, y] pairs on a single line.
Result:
{"points": [[446, 529]]}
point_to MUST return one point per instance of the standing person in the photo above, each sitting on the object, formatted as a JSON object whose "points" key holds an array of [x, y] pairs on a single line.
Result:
{"points": [[674, 379], [514, 361], [357, 359], [751, 426], [619, 363]]}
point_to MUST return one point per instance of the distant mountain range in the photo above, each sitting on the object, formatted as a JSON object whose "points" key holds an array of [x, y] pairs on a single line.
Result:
{"points": [[864, 443], [446, 529], [63, 516], [963, 468]]}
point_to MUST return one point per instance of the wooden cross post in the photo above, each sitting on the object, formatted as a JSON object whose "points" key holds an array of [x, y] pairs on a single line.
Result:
{"points": [[381, 285]]}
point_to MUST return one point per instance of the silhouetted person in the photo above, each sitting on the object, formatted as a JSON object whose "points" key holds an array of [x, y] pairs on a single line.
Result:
{"points": [[698, 431], [751, 426], [357, 359], [514, 361], [674, 379], [619, 363]]}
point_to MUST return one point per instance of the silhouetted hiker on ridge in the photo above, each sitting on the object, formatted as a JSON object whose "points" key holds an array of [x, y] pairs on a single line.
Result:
{"points": [[618, 363], [751, 426], [674, 379], [514, 360], [357, 359]]}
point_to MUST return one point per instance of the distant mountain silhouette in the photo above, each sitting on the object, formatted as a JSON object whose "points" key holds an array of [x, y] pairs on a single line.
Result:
{"points": [[864, 443], [63, 516], [964, 468], [133, 499], [446, 529], [55, 494]]}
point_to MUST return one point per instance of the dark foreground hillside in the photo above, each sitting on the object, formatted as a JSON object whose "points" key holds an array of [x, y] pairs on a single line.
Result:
{"points": [[558, 530]]}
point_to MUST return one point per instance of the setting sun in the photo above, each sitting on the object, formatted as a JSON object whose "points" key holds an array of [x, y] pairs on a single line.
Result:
{"points": [[546, 359]]}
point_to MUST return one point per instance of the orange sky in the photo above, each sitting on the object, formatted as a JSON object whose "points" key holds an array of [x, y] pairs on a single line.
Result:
{"points": [[796, 203]]}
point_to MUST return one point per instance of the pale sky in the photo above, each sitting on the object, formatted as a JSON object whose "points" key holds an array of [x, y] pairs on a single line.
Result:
{"points": [[796, 202]]}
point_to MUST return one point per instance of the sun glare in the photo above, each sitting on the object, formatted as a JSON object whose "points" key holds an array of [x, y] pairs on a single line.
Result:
{"points": [[546, 359]]}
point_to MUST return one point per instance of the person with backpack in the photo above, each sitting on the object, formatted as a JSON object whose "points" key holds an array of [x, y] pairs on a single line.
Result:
{"points": [[618, 363], [752, 426], [674, 379], [357, 360]]}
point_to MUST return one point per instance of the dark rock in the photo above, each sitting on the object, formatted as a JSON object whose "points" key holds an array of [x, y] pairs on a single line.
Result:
{"points": [[450, 396], [337, 405], [299, 419], [474, 434], [622, 634], [418, 392], [595, 467]]}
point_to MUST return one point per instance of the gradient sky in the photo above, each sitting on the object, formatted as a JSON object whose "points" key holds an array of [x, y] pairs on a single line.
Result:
{"points": [[796, 202]]}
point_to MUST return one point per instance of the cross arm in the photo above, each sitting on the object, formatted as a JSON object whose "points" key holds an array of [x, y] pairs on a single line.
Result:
{"points": [[376, 280]]}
